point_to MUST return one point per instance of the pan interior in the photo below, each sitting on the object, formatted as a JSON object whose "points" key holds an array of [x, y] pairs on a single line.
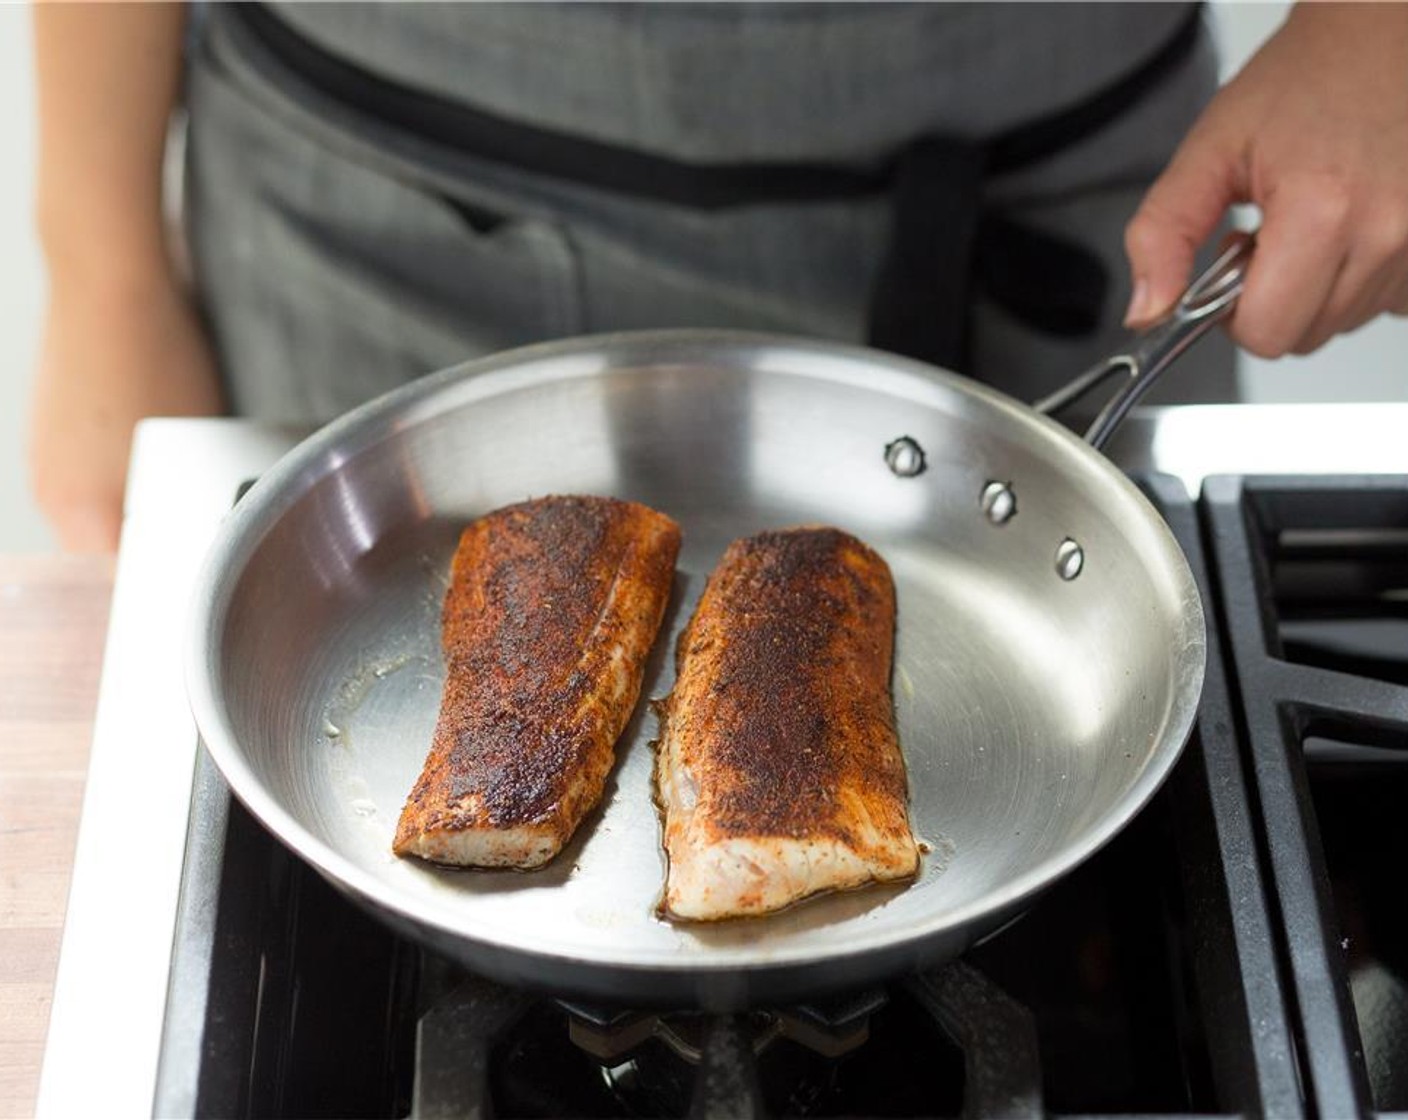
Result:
{"points": [[1033, 711]]}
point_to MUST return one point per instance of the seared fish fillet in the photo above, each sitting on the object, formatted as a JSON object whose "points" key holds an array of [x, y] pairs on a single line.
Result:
{"points": [[551, 613], [778, 769]]}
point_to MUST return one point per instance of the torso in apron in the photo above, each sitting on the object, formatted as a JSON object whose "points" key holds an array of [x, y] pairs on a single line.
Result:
{"points": [[750, 81], [393, 253]]}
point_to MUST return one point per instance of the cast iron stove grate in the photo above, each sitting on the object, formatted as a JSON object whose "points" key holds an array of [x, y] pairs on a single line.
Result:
{"points": [[1312, 576]]}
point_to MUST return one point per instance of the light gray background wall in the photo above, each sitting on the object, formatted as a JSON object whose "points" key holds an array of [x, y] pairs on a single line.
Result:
{"points": [[1369, 365], [21, 281]]}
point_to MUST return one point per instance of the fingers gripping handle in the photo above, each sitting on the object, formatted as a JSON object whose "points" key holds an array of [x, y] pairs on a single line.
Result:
{"points": [[1208, 300]]}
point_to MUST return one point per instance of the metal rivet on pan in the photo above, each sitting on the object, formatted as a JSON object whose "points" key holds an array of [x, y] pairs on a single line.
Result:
{"points": [[1070, 559], [999, 502], [905, 457]]}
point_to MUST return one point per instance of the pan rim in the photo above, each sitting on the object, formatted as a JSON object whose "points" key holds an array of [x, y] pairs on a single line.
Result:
{"points": [[357, 431]]}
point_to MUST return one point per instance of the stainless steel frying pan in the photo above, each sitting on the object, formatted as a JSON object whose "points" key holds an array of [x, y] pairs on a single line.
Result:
{"points": [[1049, 646]]}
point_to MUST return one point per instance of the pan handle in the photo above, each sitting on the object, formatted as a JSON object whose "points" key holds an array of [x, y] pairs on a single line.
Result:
{"points": [[1208, 300]]}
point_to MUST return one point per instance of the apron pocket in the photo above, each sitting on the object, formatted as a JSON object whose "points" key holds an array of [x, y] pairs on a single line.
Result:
{"points": [[327, 281]]}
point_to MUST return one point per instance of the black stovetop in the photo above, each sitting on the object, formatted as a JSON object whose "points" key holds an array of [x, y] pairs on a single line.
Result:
{"points": [[1241, 948]]}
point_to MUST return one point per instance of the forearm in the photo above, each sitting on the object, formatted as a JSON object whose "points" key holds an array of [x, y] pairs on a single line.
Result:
{"points": [[120, 340], [107, 77]]}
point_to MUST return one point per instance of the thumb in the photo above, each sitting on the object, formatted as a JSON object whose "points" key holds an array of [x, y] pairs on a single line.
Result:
{"points": [[1179, 212]]}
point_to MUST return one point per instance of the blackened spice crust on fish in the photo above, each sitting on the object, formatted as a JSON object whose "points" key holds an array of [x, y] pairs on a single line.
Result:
{"points": [[551, 613], [779, 768]]}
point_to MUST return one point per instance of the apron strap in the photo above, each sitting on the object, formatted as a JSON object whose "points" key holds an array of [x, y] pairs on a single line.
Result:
{"points": [[919, 304], [945, 245]]}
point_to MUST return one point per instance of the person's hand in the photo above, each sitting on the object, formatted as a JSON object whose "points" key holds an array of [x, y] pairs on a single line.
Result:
{"points": [[111, 355], [1314, 131]]}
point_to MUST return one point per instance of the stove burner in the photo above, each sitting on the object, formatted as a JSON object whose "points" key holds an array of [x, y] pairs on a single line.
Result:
{"points": [[697, 1064], [829, 1028], [723, 1051], [802, 1060]]}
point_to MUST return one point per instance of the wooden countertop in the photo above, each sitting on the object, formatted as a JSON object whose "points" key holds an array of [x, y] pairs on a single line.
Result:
{"points": [[53, 620]]}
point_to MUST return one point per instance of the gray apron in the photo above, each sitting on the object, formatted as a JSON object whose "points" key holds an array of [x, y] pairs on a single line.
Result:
{"points": [[341, 250]]}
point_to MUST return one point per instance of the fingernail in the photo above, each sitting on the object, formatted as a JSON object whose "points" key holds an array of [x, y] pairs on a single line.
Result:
{"points": [[1138, 303]]}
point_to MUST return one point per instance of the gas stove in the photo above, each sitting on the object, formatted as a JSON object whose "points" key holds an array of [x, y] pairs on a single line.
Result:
{"points": [[1241, 948]]}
